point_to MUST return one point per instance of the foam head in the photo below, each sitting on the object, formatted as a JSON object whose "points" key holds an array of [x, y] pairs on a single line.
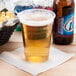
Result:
{"points": [[36, 17]]}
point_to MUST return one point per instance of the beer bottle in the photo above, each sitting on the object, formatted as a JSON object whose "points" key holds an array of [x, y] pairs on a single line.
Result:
{"points": [[63, 28]]}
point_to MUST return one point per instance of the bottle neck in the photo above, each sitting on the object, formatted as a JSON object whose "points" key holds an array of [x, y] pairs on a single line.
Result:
{"points": [[64, 2], [58, 6]]}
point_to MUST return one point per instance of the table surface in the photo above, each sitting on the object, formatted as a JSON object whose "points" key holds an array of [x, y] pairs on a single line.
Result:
{"points": [[66, 69]]}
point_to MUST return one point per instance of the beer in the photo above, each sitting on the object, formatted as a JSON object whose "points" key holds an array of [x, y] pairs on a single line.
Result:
{"points": [[36, 42], [64, 23], [36, 30]]}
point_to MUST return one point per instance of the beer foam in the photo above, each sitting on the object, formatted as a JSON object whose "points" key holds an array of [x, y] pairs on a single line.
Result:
{"points": [[36, 17]]}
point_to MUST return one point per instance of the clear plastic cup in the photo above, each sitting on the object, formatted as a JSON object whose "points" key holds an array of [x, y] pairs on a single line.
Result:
{"points": [[36, 31]]}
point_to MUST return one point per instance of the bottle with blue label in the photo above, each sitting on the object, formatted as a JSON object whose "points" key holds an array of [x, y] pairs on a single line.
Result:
{"points": [[63, 28]]}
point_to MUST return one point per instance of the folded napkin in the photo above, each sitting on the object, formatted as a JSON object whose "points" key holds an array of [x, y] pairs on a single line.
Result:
{"points": [[16, 58]]}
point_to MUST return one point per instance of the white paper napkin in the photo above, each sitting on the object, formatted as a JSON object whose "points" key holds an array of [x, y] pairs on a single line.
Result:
{"points": [[16, 58]]}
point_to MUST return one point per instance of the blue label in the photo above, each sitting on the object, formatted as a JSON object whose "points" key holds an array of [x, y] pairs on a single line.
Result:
{"points": [[66, 24]]}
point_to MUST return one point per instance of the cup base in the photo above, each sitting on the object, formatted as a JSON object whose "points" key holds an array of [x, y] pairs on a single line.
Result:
{"points": [[36, 59]]}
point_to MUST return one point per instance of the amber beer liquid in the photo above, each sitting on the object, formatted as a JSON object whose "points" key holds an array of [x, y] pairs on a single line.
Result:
{"points": [[36, 30]]}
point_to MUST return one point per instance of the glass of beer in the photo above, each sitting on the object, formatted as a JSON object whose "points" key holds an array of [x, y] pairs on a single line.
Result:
{"points": [[36, 32]]}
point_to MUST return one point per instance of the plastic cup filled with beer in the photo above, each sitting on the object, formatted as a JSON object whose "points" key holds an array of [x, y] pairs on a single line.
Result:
{"points": [[36, 32]]}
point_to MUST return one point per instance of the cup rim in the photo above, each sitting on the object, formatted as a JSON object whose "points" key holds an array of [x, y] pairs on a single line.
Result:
{"points": [[31, 23]]}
